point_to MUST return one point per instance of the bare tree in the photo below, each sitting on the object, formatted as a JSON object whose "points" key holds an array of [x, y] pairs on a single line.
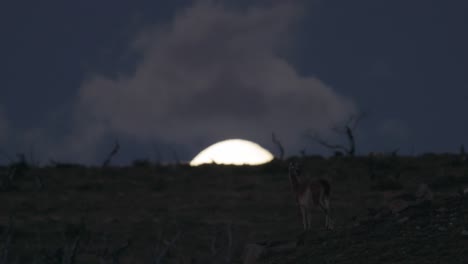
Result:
{"points": [[278, 145], [348, 129]]}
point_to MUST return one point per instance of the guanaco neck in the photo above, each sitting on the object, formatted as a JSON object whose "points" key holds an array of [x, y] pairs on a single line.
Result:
{"points": [[294, 182]]}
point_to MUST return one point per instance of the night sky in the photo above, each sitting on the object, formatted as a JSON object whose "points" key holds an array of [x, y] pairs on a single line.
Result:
{"points": [[169, 78]]}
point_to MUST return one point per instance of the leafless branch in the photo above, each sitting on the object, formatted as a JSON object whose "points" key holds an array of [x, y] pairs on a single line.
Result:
{"points": [[278, 145], [352, 142], [326, 144], [348, 130], [114, 151]]}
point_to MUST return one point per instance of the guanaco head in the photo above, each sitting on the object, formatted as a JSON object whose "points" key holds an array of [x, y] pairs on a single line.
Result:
{"points": [[294, 172], [294, 169]]}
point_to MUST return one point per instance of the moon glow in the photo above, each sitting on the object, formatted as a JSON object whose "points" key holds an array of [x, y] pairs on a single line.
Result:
{"points": [[233, 152]]}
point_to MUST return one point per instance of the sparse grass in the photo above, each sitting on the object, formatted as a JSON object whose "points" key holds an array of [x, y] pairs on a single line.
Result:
{"points": [[139, 202]]}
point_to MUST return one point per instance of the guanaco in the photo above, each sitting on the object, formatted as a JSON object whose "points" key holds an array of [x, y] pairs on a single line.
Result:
{"points": [[310, 195]]}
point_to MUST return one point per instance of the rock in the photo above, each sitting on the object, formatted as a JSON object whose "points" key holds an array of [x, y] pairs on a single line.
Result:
{"points": [[255, 251], [424, 193], [442, 229], [402, 220], [464, 233], [397, 206]]}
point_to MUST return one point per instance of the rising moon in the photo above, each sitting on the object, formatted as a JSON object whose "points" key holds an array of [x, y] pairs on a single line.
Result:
{"points": [[233, 152]]}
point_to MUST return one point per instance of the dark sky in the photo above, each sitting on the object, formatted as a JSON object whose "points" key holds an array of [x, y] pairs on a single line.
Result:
{"points": [[169, 78]]}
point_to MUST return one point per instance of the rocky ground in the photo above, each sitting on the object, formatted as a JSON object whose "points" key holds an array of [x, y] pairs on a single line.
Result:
{"points": [[432, 231]]}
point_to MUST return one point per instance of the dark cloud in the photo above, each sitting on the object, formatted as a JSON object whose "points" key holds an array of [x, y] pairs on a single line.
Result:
{"points": [[212, 73]]}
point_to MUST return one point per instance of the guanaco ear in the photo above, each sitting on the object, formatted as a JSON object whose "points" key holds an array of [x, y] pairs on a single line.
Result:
{"points": [[294, 168]]}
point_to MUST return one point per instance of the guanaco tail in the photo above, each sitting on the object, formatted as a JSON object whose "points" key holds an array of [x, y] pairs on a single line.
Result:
{"points": [[310, 195]]}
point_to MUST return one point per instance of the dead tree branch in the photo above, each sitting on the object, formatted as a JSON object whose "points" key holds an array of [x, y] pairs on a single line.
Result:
{"points": [[278, 145], [324, 143], [348, 129], [114, 152]]}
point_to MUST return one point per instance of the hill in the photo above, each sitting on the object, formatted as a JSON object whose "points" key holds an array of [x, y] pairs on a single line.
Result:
{"points": [[209, 214]]}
